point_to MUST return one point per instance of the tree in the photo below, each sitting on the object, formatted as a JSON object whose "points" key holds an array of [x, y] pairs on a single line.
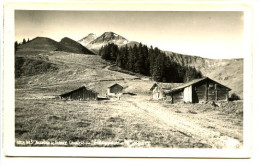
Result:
{"points": [[131, 59], [24, 41], [105, 53], [15, 46], [125, 55], [158, 68], [146, 67], [139, 63], [119, 59], [114, 51], [151, 57]]}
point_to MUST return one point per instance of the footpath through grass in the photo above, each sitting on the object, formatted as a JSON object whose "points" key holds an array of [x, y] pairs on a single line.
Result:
{"points": [[94, 124]]}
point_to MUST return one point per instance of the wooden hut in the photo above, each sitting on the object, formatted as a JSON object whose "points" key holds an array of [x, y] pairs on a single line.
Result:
{"points": [[114, 89], [159, 90], [203, 89], [82, 93]]}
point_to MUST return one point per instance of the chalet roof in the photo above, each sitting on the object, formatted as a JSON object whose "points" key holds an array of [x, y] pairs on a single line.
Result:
{"points": [[165, 86], [114, 84], [78, 89], [184, 85]]}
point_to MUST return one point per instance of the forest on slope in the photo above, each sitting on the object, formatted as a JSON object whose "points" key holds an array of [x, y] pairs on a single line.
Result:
{"points": [[148, 61]]}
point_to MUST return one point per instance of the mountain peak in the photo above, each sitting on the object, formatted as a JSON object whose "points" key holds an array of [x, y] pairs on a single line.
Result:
{"points": [[86, 40], [110, 37], [109, 32], [106, 38]]}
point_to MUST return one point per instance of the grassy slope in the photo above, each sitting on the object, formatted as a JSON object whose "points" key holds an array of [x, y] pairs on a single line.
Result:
{"points": [[40, 117], [90, 122], [74, 46]]}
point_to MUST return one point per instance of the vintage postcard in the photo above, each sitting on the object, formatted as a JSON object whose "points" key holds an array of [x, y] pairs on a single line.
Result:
{"points": [[127, 80]]}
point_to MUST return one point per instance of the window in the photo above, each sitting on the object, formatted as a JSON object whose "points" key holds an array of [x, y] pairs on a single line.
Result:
{"points": [[211, 85]]}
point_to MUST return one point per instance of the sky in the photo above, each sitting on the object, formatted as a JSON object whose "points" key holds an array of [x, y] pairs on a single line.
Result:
{"points": [[202, 33]]}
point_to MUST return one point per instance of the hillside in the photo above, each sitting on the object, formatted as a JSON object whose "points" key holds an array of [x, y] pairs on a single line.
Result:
{"points": [[30, 66], [40, 44], [32, 58], [74, 46], [44, 44]]}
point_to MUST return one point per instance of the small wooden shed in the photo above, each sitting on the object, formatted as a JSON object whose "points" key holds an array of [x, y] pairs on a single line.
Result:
{"points": [[114, 89], [159, 90], [203, 89], [82, 93]]}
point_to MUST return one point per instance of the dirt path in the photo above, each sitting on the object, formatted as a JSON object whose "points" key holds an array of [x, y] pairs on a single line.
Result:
{"points": [[187, 127]]}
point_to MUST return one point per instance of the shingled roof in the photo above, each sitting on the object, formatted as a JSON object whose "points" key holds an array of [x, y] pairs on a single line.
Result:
{"points": [[83, 86], [165, 86], [114, 84], [184, 85]]}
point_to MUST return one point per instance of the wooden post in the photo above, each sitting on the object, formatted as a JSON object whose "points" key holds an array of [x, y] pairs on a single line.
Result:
{"points": [[216, 91], [191, 96], [206, 91], [227, 95]]}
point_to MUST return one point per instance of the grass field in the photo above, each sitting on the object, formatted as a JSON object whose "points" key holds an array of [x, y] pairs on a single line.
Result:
{"points": [[119, 123], [133, 121]]}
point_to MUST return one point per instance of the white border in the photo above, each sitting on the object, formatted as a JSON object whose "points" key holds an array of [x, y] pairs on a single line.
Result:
{"points": [[8, 82]]}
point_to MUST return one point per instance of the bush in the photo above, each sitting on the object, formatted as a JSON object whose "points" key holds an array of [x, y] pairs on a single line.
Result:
{"points": [[234, 97]]}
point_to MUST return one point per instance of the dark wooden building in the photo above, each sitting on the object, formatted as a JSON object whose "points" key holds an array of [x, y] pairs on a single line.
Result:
{"points": [[82, 93], [159, 90], [114, 89], [203, 89]]}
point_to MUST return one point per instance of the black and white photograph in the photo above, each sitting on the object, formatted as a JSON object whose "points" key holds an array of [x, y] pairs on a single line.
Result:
{"points": [[129, 79]]}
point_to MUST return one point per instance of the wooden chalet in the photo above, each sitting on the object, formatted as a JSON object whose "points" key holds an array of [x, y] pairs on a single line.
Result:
{"points": [[159, 90], [203, 89], [82, 93], [114, 89]]}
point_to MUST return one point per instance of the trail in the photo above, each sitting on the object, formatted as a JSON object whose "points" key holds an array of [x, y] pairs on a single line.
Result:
{"points": [[186, 127]]}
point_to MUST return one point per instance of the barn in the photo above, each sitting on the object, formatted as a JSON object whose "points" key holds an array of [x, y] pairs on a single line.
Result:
{"points": [[82, 93], [197, 90], [159, 89], [114, 89]]}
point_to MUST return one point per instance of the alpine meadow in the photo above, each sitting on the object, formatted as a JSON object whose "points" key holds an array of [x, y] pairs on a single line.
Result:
{"points": [[105, 90]]}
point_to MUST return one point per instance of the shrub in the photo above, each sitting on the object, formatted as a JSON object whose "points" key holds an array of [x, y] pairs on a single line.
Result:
{"points": [[234, 97]]}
